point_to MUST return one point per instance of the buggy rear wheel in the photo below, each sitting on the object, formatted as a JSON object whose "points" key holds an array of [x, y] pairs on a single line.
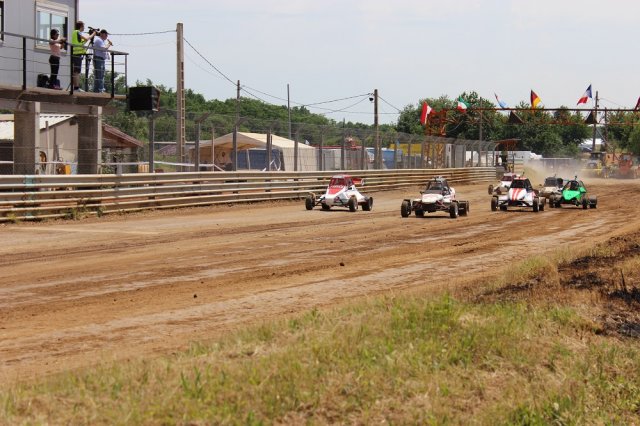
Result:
{"points": [[453, 210], [464, 208], [405, 209], [353, 204], [309, 202], [494, 204], [368, 204]]}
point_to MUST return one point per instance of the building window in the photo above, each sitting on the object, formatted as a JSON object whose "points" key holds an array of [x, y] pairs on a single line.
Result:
{"points": [[47, 19]]}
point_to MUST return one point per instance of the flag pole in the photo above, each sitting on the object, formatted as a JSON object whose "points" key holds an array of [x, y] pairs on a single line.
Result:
{"points": [[595, 124]]}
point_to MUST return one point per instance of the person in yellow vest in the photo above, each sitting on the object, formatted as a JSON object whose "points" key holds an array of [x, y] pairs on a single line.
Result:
{"points": [[79, 51]]}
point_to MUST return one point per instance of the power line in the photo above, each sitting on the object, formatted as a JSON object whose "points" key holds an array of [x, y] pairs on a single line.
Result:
{"points": [[210, 64], [141, 34], [385, 101]]}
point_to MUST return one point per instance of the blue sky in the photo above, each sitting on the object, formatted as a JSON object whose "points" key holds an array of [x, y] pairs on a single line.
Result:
{"points": [[407, 49]]}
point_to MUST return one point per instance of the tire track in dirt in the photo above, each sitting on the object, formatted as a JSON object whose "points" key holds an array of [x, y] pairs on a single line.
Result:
{"points": [[119, 296]]}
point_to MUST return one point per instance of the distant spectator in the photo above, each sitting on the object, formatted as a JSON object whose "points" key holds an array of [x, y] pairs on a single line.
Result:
{"points": [[55, 45], [100, 56], [79, 51]]}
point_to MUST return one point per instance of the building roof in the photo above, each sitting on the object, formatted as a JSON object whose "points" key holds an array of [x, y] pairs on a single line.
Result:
{"points": [[253, 140], [116, 138], [111, 136], [6, 123]]}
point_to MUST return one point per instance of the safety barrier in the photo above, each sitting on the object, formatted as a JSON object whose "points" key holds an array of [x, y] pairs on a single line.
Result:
{"points": [[59, 196]]}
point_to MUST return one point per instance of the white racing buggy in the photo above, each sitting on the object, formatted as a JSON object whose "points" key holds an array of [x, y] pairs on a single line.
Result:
{"points": [[437, 196], [341, 192], [521, 194], [504, 184]]}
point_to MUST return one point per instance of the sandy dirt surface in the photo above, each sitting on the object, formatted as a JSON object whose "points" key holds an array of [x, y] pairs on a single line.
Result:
{"points": [[76, 293]]}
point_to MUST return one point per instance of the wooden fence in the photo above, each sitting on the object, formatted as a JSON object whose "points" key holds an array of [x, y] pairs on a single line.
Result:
{"points": [[67, 196]]}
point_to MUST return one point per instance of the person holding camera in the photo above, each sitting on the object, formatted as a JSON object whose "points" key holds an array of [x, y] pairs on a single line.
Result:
{"points": [[55, 45], [100, 56], [79, 51]]}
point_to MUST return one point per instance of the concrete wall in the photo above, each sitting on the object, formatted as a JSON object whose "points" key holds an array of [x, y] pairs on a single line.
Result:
{"points": [[20, 18]]}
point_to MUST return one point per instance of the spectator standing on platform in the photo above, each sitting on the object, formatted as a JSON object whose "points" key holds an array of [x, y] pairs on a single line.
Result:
{"points": [[55, 45], [78, 51], [100, 56]]}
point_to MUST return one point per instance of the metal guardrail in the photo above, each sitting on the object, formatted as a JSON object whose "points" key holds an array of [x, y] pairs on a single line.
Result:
{"points": [[37, 197]]}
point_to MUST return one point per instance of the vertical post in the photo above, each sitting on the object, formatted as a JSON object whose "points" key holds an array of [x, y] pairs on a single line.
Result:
{"points": [[113, 77], [289, 109], [395, 154], [90, 141], [606, 133], [377, 163], [480, 126], [422, 154], [363, 156], [26, 138], [595, 125], [409, 154], [295, 153], [213, 138], [196, 157], [180, 100], [235, 130], [152, 141], [268, 166], [320, 151], [24, 63], [342, 150]]}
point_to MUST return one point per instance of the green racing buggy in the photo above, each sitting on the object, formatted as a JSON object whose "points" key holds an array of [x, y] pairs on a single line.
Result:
{"points": [[575, 193]]}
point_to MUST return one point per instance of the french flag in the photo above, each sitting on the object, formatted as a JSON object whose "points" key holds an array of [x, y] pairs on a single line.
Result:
{"points": [[585, 97]]}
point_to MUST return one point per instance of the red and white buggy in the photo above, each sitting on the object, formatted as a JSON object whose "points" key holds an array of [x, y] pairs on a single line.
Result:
{"points": [[341, 192]]}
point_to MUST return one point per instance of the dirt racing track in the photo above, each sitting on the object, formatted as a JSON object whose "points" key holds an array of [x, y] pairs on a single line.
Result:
{"points": [[76, 292]]}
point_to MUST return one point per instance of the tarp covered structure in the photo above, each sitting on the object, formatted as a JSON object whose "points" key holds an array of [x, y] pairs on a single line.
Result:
{"points": [[223, 147]]}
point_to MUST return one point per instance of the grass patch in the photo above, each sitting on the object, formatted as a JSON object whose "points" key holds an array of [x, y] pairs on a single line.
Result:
{"points": [[393, 359]]}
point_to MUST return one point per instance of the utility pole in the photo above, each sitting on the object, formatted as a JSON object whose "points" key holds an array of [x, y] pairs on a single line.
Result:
{"points": [[377, 152], [295, 142], [235, 130], [180, 122], [595, 125]]}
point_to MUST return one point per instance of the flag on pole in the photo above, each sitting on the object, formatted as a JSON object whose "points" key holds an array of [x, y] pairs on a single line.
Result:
{"points": [[637, 105], [426, 110], [462, 105], [535, 99], [585, 97], [502, 104]]}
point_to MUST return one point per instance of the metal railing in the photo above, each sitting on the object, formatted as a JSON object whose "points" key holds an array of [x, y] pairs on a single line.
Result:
{"points": [[30, 61], [65, 196]]}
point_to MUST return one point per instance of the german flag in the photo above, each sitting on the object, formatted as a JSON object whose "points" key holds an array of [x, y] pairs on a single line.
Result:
{"points": [[535, 99]]}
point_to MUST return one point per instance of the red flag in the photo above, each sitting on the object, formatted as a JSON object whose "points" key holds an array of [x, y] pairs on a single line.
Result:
{"points": [[426, 110], [535, 99], [637, 105]]}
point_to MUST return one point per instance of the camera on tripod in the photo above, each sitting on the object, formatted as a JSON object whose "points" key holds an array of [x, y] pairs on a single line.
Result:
{"points": [[94, 30]]}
